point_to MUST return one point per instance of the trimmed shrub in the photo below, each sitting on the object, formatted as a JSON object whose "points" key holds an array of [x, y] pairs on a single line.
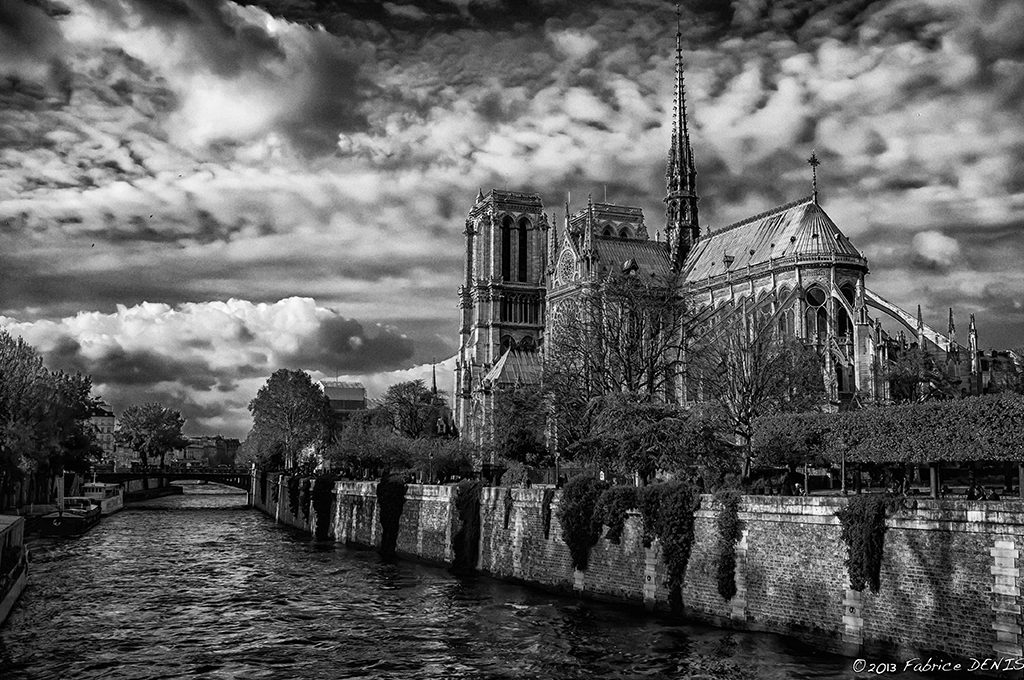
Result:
{"points": [[466, 540], [576, 515], [863, 531], [516, 474], [729, 533], [611, 509], [390, 500]]}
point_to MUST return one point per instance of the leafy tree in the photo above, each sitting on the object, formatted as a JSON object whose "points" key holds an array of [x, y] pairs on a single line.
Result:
{"points": [[634, 433], [152, 429], [520, 418], [415, 410], [44, 415], [289, 414]]}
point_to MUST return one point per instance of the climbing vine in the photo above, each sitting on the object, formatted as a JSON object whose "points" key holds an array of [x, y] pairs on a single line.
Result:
{"points": [[293, 495], [576, 515], [612, 506], [863, 531], [729, 534], [275, 490], [508, 506], [323, 497], [545, 511], [263, 486], [390, 500], [304, 498], [668, 511], [466, 541]]}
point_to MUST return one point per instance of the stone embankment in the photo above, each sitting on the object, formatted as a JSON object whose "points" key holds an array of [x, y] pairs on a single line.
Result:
{"points": [[950, 575]]}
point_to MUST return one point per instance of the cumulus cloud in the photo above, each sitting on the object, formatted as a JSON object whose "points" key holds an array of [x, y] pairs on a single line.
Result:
{"points": [[935, 249], [211, 355], [181, 153]]}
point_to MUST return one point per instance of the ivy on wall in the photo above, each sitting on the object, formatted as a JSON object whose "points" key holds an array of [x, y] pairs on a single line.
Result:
{"points": [[668, 511], [576, 516], [293, 495], [390, 500], [545, 511], [611, 509], [466, 541], [304, 485], [729, 533], [323, 498], [275, 490], [863, 531], [508, 506], [263, 486]]}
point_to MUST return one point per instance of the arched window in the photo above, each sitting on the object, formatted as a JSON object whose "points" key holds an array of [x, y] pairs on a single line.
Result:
{"points": [[608, 231], [624, 233], [524, 230], [848, 292], [506, 249], [816, 317], [507, 343], [843, 324], [526, 344]]}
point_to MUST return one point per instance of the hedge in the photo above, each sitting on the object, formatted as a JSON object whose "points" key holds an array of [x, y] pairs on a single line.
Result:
{"points": [[984, 428]]}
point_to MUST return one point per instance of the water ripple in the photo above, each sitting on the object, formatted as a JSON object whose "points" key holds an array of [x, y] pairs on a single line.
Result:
{"points": [[198, 586]]}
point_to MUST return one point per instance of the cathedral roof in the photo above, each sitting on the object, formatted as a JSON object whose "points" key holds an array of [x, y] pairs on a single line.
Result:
{"points": [[651, 257], [516, 368], [797, 231]]}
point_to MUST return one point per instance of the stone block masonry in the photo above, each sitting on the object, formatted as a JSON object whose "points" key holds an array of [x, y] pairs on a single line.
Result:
{"points": [[950, 579]]}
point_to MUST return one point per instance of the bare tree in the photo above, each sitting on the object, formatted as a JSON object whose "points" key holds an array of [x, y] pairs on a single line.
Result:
{"points": [[745, 364], [622, 334]]}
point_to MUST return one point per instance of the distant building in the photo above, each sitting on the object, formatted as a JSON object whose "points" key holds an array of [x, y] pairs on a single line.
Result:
{"points": [[206, 451], [102, 418], [345, 398]]}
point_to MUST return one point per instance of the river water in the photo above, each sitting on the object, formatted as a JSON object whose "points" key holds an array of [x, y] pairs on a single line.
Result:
{"points": [[199, 586]]}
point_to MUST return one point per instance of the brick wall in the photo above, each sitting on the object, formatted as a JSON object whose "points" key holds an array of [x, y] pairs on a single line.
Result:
{"points": [[950, 580]]}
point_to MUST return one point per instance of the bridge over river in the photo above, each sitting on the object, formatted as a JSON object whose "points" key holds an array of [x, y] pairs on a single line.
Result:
{"points": [[239, 478]]}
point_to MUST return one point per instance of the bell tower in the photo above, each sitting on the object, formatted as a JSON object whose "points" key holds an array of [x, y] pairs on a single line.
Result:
{"points": [[501, 296]]}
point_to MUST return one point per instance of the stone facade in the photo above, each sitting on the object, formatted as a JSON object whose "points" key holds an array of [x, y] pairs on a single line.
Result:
{"points": [[950, 579]]}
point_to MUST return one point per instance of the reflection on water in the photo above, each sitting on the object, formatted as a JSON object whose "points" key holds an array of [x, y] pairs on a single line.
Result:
{"points": [[199, 586]]}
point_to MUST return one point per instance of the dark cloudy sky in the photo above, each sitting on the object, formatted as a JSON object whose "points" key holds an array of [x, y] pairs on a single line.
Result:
{"points": [[194, 193]]}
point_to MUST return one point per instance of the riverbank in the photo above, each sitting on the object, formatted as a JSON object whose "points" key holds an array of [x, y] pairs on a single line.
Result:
{"points": [[950, 584]]}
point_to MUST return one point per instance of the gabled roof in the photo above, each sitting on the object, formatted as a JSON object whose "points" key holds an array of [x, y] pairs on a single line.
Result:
{"points": [[516, 368], [651, 257], [797, 229]]}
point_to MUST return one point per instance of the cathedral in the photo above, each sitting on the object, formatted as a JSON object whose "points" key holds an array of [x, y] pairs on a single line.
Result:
{"points": [[791, 262]]}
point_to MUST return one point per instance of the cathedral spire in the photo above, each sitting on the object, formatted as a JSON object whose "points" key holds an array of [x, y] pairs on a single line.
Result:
{"points": [[953, 353], [814, 163], [682, 227], [553, 243], [588, 228], [920, 329], [972, 344]]}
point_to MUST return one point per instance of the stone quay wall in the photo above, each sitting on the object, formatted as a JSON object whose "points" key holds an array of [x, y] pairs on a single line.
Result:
{"points": [[950, 579]]}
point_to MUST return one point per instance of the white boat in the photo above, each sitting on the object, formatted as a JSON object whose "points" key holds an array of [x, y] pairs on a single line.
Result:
{"points": [[13, 563], [110, 496]]}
